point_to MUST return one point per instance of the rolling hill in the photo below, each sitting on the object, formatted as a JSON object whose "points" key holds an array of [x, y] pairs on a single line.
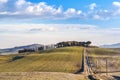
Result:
{"points": [[15, 49], [66, 59], [117, 45]]}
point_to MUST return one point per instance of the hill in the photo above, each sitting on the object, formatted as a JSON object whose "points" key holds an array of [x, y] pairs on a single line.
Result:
{"points": [[117, 45], [15, 49], [66, 59]]}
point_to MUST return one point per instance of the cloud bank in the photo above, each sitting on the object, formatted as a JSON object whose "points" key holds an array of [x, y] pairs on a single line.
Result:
{"points": [[21, 29], [17, 9], [15, 35]]}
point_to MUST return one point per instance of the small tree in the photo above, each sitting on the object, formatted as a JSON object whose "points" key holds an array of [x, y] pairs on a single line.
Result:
{"points": [[88, 43]]}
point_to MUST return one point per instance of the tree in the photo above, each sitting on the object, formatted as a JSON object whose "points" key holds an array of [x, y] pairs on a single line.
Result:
{"points": [[73, 43], [88, 43]]}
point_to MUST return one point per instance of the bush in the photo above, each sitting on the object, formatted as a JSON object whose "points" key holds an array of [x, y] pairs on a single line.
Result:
{"points": [[17, 57]]}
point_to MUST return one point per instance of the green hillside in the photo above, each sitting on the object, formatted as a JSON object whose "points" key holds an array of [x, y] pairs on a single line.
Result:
{"points": [[66, 59]]}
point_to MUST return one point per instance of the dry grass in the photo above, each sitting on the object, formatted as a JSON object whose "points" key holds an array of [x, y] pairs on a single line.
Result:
{"points": [[40, 76], [98, 57], [57, 60], [104, 51], [46, 65]]}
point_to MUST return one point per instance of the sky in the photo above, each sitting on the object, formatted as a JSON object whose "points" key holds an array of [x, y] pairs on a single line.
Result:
{"points": [[24, 22]]}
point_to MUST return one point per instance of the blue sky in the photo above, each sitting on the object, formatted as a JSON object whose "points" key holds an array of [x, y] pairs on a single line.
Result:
{"points": [[37, 21]]}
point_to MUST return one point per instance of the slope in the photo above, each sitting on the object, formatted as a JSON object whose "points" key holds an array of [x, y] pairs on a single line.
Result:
{"points": [[56, 60]]}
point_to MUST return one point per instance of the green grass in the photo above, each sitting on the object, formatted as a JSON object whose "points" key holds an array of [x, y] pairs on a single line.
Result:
{"points": [[56, 60]]}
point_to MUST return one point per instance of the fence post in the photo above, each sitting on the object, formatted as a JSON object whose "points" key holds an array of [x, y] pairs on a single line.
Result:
{"points": [[100, 65], [96, 66], [106, 67]]}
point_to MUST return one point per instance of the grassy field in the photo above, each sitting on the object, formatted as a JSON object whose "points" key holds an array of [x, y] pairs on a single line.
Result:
{"points": [[56, 60], [41, 76], [104, 51], [102, 57]]}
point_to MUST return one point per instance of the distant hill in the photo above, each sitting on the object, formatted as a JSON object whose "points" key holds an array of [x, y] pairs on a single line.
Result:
{"points": [[117, 45], [15, 49]]}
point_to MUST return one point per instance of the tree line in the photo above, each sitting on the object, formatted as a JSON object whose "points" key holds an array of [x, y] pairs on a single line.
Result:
{"points": [[58, 45], [73, 43]]}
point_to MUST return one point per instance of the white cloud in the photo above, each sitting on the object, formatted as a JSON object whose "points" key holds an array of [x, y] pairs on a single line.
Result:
{"points": [[21, 34], [96, 17], [25, 9], [92, 6], [80, 27], [116, 29], [3, 1], [32, 10], [59, 10], [9, 13], [43, 9], [117, 4], [3, 12], [20, 2], [100, 17], [117, 11], [79, 12], [38, 28], [72, 13], [44, 29], [102, 14]]}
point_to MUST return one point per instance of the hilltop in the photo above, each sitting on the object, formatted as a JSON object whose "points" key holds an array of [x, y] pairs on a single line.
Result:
{"points": [[41, 47]]}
